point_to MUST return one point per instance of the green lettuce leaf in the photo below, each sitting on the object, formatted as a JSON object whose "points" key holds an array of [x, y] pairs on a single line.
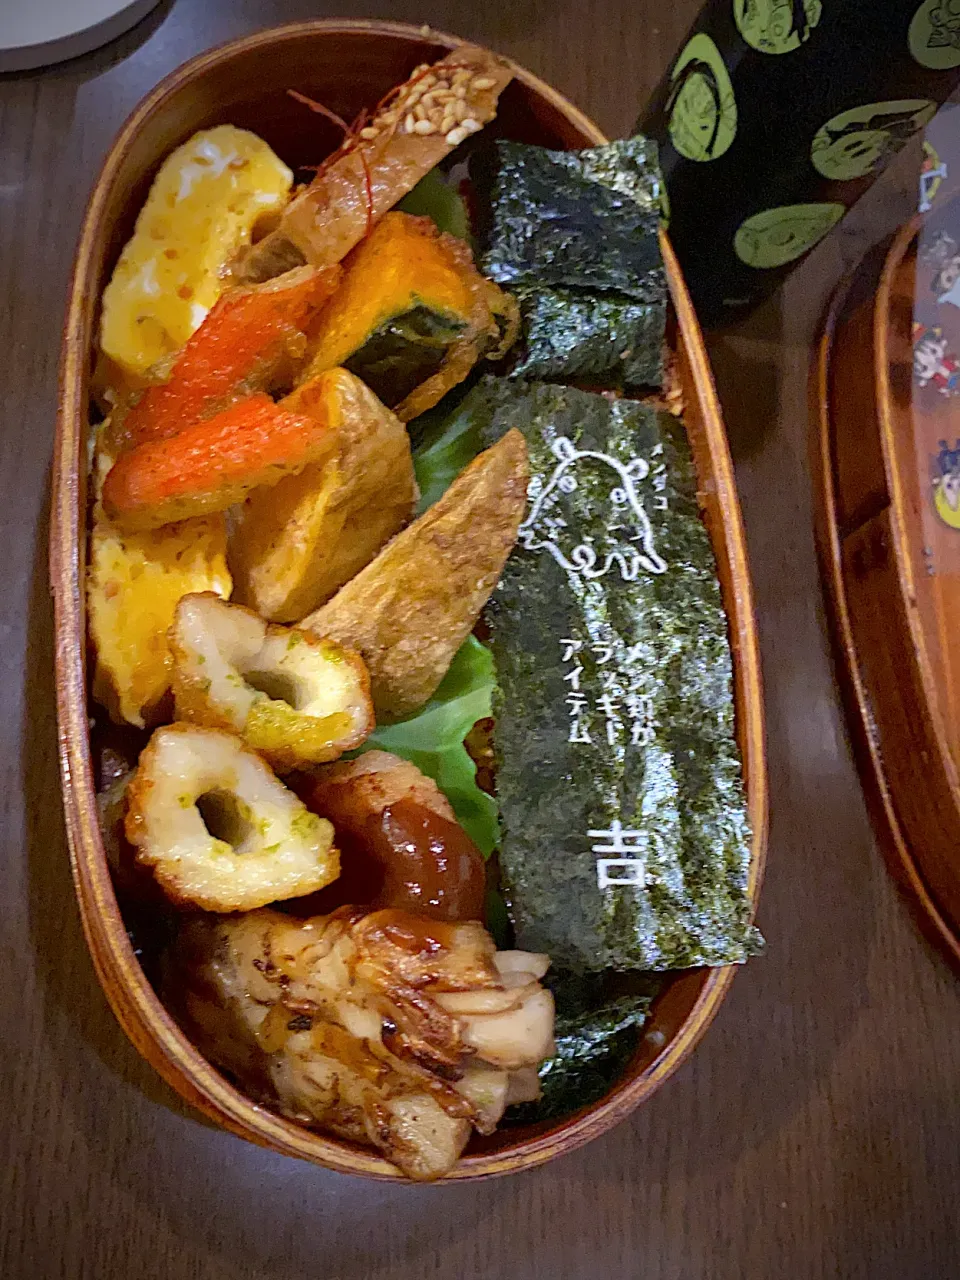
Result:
{"points": [[433, 740], [435, 198], [448, 438]]}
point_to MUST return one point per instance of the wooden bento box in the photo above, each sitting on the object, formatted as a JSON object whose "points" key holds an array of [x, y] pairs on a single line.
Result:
{"points": [[346, 65], [891, 566]]}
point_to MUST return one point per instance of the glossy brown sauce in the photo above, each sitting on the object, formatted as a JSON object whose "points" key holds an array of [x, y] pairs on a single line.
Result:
{"points": [[406, 856]]}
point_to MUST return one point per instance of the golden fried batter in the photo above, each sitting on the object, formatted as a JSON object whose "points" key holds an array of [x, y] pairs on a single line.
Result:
{"points": [[219, 829], [410, 610], [295, 699]]}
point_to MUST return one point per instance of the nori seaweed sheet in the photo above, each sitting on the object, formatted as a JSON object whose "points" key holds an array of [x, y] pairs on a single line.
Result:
{"points": [[575, 234], [593, 1048], [581, 336], [576, 219], [616, 753]]}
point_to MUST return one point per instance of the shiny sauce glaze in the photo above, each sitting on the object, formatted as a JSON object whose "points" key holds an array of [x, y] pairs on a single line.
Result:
{"points": [[406, 856]]}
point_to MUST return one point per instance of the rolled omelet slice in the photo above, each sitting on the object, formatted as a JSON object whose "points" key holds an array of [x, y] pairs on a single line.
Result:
{"points": [[202, 208], [134, 583]]}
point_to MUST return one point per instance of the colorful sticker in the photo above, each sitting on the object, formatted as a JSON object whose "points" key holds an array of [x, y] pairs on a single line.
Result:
{"points": [[932, 173], [934, 35], [860, 141], [946, 484], [933, 365], [776, 26], [701, 107], [777, 236], [941, 255]]}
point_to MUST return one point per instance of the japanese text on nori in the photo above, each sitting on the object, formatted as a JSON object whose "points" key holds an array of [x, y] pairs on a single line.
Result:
{"points": [[624, 821]]}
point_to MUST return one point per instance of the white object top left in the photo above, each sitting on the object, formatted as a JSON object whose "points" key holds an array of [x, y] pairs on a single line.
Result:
{"points": [[36, 33]]}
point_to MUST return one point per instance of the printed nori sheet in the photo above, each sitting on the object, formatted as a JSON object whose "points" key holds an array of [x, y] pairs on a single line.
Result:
{"points": [[575, 235], [616, 754]]}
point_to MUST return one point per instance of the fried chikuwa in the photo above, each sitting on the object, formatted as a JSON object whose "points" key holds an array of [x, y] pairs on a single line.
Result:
{"points": [[293, 698], [218, 828]]}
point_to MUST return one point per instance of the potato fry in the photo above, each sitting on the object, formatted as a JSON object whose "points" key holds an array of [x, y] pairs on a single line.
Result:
{"points": [[410, 609], [295, 545]]}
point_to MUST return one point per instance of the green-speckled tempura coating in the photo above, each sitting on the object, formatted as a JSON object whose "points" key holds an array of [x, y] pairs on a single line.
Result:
{"points": [[682, 789]]}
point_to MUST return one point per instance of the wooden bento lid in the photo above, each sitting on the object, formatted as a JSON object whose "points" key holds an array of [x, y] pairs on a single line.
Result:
{"points": [[886, 400]]}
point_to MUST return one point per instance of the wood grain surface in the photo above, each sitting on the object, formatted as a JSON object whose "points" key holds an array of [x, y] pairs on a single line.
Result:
{"points": [[815, 1131]]}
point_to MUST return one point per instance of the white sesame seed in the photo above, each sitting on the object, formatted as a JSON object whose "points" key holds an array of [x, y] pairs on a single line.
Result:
{"points": [[448, 122], [471, 125], [424, 127], [456, 136], [369, 132], [460, 91], [409, 123], [483, 82]]}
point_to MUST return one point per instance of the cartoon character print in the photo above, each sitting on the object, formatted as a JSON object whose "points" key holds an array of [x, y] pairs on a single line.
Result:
{"points": [[861, 141], [932, 365], [944, 25], [942, 255], [776, 26], [934, 34], [701, 108], [932, 173], [946, 484], [628, 541], [774, 237]]}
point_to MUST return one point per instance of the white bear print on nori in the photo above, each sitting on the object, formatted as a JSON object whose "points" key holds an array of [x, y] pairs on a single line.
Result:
{"points": [[625, 840]]}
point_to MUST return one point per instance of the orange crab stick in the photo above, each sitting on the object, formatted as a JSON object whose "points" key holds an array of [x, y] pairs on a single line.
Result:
{"points": [[241, 347], [213, 464]]}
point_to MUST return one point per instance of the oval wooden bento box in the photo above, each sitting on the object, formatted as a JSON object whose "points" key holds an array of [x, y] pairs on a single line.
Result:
{"points": [[346, 65], [886, 564]]}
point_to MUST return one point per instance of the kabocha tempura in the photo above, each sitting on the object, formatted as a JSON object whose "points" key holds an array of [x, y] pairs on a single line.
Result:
{"points": [[235, 438]]}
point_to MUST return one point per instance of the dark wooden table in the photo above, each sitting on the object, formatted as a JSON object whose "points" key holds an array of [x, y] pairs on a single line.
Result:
{"points": [[814, 1133]]}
